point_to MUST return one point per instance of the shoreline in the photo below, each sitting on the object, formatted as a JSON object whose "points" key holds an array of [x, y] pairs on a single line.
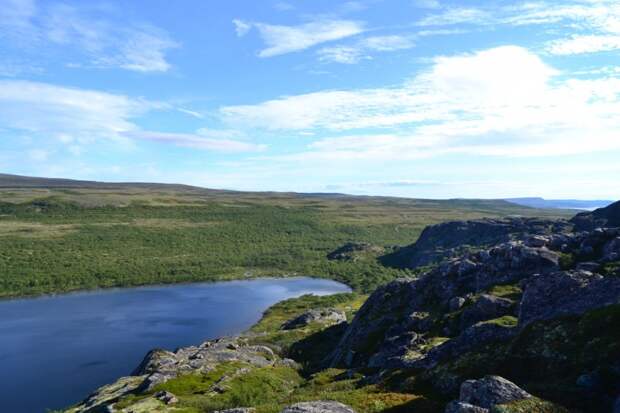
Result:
{"points": [[112, 289]]}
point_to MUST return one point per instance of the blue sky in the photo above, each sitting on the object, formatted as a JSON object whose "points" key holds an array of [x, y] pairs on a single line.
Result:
{"points": [[417, 98]]}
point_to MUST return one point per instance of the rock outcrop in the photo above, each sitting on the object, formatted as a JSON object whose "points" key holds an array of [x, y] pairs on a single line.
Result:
{"points": [[352, 251], [608, 217], [451, 239], [478, 396], [318, 407], [566, 293], [327, 316], [160, 366], [382, 329]]}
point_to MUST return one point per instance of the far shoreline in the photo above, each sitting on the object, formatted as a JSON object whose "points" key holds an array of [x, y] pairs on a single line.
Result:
{"points": [[112, 289]]}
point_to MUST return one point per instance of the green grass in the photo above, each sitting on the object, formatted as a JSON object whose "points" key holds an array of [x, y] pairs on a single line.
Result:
{"points": [[55, 240]]}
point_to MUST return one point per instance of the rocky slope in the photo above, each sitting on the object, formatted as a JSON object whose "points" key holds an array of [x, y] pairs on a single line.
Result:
{"points": [[518, 315]]}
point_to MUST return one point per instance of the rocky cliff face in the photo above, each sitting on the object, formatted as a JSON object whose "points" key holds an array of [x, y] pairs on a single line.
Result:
{"points": [[519, 315], [451, 239], [491, 297], [603, 217]]}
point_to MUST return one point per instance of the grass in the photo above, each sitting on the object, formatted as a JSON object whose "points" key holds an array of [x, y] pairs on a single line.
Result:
{"points": [[58, 240]]}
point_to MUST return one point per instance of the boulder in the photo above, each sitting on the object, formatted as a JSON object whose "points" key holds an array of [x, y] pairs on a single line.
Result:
{"points": [[611, 250], [166, 397], [565, 293], [490, 391], [323, 316], [318, 407], [456, 406], [456, 303], [475, 336], [352, 251], [487, 307]]}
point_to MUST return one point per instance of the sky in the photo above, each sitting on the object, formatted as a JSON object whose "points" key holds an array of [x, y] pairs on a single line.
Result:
{"points": [[413, 98]]}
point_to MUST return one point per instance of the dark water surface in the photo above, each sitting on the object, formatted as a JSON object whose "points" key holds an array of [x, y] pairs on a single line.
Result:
{"points": [[55, 350]]}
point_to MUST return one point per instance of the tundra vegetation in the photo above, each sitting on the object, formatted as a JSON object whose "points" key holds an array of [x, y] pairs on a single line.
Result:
{"points": [[58, 239]]}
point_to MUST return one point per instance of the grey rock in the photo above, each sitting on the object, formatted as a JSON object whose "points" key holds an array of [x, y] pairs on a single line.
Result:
{"points": [[490, 391], [461, 407], [588, 266], [603, 217], [565, 293], [390, 310], [456, 303], [451, 239], [166, 397], [160, 365], [352, 251], [237, 410], [318, 407], [487, 307], [611, 250], [475, 336], [537, 241], [323, 316]]}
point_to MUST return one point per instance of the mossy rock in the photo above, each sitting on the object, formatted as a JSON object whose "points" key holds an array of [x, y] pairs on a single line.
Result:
{"points": [[533, 405]]}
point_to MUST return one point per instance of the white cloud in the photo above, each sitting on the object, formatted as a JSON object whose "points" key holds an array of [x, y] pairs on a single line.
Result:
{"points": [[77, 118], [427, 4], [459, 15], [105, 43], [501, 102], [192, 113], [364, 48], [579, 44], [16, 18], [594, 25], [195, 141], [287, 39], [144, 50], [241, 27], [62, 112]]}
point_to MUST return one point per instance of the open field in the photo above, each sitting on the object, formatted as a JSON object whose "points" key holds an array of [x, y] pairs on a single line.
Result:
{"points": [[56, 239]]}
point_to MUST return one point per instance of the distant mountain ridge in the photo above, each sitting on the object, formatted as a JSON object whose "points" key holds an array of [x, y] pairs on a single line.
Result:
{"points": [[560, 203], [19, 181]]}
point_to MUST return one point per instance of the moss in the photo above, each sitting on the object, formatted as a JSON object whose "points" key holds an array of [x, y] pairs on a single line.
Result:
{"points": [[505, 321], [567, 261], [198, 383], [533, 405], [283, 311], [611, 269], [268, 330], [511, 291]]}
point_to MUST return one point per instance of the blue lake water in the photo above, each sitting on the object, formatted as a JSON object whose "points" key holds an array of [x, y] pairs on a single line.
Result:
{"points": [[55, 350]]}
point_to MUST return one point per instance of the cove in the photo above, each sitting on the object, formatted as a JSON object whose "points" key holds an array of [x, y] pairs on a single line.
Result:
{"points": [[55, 350]]}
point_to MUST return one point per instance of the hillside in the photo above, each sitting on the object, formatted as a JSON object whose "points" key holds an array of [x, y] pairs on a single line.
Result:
{"points": [[560, 203], [65, 235], [521, 322]]}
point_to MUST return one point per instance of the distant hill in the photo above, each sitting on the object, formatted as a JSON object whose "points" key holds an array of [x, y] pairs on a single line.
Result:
{"points": [[19, 181], [602, 217], [560, 203]]}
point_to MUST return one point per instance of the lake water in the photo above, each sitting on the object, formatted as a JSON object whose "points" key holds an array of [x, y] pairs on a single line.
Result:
{"points": [[55, 350]]}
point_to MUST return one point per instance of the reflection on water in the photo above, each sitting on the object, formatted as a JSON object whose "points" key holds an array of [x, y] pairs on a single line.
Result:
{"points": [[63, 347]]}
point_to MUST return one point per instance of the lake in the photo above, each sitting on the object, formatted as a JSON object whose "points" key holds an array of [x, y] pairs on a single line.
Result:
{"points": [[55, 350]]}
